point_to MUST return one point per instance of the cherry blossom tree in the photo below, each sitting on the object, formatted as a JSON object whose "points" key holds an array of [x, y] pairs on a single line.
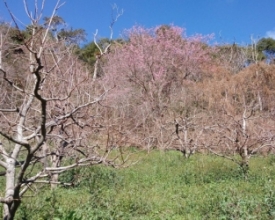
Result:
{"points": [[151, 71]]}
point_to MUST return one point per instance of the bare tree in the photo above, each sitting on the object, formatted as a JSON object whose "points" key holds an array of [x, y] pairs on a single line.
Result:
{"points": [[241, 120], [233, 57], [237, 138], [188, 133], [48, 111], [104, 49]]}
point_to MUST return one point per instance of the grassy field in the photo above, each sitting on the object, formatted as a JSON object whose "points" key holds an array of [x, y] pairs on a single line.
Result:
{"points": [[161, 186]]}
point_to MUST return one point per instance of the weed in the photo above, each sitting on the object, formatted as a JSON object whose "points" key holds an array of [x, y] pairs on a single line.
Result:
{"points": [[162, 186]]}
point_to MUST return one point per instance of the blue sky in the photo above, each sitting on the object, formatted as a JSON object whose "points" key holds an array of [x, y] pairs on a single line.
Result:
{"points": [[230, 20]]}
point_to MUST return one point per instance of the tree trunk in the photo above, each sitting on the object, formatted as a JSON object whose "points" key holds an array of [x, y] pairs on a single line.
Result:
{"points": [[10, 209], [260, 101], [186, 144], [54, 177], [54, 180], [12, 201], [96, 67], [244, 151], [244, 162], [186, 152]]}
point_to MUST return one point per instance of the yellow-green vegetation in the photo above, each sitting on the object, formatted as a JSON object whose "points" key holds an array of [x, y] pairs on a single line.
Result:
{"points": [[163, 185]]}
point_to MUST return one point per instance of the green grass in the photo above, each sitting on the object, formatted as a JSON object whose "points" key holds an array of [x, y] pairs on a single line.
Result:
{"points": [[161, 186]]}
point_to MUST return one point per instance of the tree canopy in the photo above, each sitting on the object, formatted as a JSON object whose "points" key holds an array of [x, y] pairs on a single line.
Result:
{"points": [[266, 46]]}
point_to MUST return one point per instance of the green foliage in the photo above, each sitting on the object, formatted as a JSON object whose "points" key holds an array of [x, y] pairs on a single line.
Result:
{"points": [[50, 209], [88, 53], [55, 21], [72, 36], [18, 36], [266, 44], [162, 186], [266, 47]]}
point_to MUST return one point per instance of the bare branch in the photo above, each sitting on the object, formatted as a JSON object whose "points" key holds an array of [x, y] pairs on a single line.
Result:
{"points": [[11, 14], [115, 17], [9, 110], [11, 83], [10, 138], [81, 162]]}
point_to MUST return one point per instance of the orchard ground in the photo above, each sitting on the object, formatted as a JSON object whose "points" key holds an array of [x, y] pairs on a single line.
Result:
{"points": [[163, 185]]}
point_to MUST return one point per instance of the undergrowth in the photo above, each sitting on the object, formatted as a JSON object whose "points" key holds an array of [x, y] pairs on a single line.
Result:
{"points": [[161, 186]]}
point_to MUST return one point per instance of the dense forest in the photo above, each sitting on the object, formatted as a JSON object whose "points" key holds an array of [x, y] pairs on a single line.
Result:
{"points": [[64, 106]]}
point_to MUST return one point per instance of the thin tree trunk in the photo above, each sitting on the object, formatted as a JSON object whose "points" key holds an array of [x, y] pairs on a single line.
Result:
{"points": [[54, 177], [244, 163], [1, 45], [96, 67], [260, 101], [13, 201], [187, 151]]}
